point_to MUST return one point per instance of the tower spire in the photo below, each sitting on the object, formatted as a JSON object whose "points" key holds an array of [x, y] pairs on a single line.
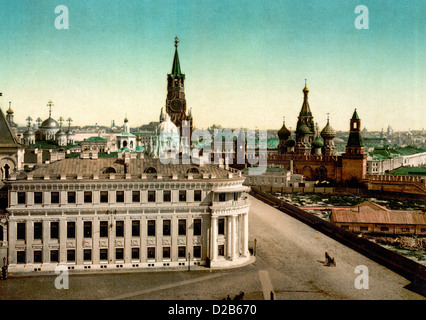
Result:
{"points": [[176, 71]]}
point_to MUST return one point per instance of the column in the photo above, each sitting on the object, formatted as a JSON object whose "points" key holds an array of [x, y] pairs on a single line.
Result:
{"points": [[127, 240], [245, 234], [62, 251], [111, 239], [234, 238], [229, 242], [29, 240], [213, 238], [11, 230], [79, 237], [95, 242], [46, 239]]}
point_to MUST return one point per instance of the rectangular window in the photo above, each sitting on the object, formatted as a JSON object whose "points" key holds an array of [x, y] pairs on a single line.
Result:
{"points": [[151, 228], [136, 227], [20, 231], [181, 252], [221, 226], [167, 196], [20, 257], [385, 229], [71, 197], [197, 227], [150, 252], [237, 196], [182, 195], [136, 196], [166, 227], [87, 254], [54, 197], [119, 254], [182, 227], [119, 229], [119, 196], [21, 197], [54, 230], [362, 228], [197, 251], [103, 254], [166, 252], [405, 229], [197, 195], [70, 255], [103, 229], [135, 253], [345, 227], [87, 229], [38, 256], [87, 196], [38, 230], [222, 197], [151, 196], [38, 197], [221, 250], [103, 197], [71, 230], [54, 256]]}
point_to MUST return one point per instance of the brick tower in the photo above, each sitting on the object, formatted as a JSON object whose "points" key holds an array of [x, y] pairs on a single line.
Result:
{"points": [[354, 160]]}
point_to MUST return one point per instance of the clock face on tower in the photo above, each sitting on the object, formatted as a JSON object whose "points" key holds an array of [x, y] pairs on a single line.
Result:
{"points": [[176, 105]]}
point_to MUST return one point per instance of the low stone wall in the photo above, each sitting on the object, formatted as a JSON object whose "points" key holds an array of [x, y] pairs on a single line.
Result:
{"points": [[392, 260]]}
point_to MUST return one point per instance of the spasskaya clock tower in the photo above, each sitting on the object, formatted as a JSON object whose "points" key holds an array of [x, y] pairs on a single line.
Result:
{"points": [[175, 101]]}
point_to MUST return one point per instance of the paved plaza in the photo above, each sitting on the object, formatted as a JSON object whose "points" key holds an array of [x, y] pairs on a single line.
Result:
{"points": [[289, 261]]}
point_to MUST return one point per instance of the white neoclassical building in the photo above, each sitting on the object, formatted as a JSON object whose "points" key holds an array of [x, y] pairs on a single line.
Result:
{"points": [[126, 212]]}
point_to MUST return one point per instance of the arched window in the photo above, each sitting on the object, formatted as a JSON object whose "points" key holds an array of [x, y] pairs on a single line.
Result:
{"points": [[150, 170], [6, 171], [109, 170], [124, 143], [193, 170]]}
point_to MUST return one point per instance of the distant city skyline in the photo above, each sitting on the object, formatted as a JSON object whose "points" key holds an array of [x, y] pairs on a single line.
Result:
{"points": [[245, 62]]}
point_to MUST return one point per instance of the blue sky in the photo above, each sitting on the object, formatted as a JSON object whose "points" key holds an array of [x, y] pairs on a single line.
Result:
{"points": [[245, 61]]}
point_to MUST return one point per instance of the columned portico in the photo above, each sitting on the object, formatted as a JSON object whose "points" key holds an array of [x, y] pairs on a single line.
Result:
{"points": [[231, 205]]}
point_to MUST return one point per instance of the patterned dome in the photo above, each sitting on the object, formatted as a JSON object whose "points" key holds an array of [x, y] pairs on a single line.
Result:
{"points": [[283, 133], [328, 131], [318, 143], [303, 129]]}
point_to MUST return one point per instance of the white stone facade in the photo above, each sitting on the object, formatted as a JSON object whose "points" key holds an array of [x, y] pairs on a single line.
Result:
{"points": [[167, 217]]}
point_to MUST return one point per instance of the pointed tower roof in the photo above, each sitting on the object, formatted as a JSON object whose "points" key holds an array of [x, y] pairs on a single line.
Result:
{"points": [[355, 115], [176, 71], [306, 110], [7, 137]]}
